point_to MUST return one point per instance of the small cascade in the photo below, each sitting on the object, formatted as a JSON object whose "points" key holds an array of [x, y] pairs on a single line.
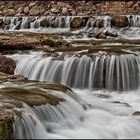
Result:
{"points": [[112, 72], [107, 22], [58, 24], [39, 121], [32, 23], [134, 20]]}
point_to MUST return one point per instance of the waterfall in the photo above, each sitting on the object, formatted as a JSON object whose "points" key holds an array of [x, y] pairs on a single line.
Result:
{"points": [[39, 121], [53, 24], [112, 72], [60, 24], [134, 20]]}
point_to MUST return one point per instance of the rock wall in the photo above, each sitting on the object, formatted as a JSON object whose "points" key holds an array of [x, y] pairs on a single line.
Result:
{"points": [[71, 8]]}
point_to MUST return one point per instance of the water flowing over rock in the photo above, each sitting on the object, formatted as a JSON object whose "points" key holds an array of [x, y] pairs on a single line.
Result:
{"points": [[74, 24], [24, 105], [110, 72]]}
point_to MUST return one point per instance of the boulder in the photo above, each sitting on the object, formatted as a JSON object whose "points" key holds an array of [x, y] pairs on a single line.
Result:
{"points": [[32, 19], [137, 113], [44, 23], [99, 23], [26, 10], [101, 35], [1, 22], [32, 4], [78, 22], [11, 78], [111, 33], [6, 123], [19, 10], [7, 21], [119, 21], [36, 10], [94, 32], [61, 4], [7, 65], [65, 11], [55, 10]]}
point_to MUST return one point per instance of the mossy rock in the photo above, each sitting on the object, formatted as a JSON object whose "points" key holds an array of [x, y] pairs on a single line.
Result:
{"points": [[44, 23], [6, 129]]}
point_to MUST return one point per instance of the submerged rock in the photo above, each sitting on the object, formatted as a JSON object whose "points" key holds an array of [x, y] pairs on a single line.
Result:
{"points": [[7, 65]]}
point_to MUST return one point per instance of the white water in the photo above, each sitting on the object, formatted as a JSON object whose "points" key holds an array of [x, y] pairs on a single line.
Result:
{"points": [[101, 71], [105, 119], [109, 114], [61, 24]]}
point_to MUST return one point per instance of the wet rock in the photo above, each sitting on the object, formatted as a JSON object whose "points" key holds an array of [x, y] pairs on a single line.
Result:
{"points": [[78, 22], [56, 43], [11, 78], [32, 19], [119, 21], [99, 23], [111, 33], [44, 23], [18, 25], [137, 113], [101, 35], [94, 32], [33, 96], [19, 18], [84, 21], [6, 128], [1, 22], [7, 21], [7, 114], [7, 65]]}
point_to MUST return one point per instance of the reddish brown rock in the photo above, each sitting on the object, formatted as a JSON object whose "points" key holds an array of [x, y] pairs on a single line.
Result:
{"points": [[78, 22], [101, 35], [99, 23], [119, 21], [7, 65], [137, 113]]}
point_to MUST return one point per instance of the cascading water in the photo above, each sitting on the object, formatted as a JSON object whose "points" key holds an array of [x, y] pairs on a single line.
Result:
{"points": [[98, 111], [107, 119], [62, 24], [53, 24], [113, 72]]}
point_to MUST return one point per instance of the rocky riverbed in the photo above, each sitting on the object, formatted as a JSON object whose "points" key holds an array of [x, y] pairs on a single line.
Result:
{"points": [[66, 8]]}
